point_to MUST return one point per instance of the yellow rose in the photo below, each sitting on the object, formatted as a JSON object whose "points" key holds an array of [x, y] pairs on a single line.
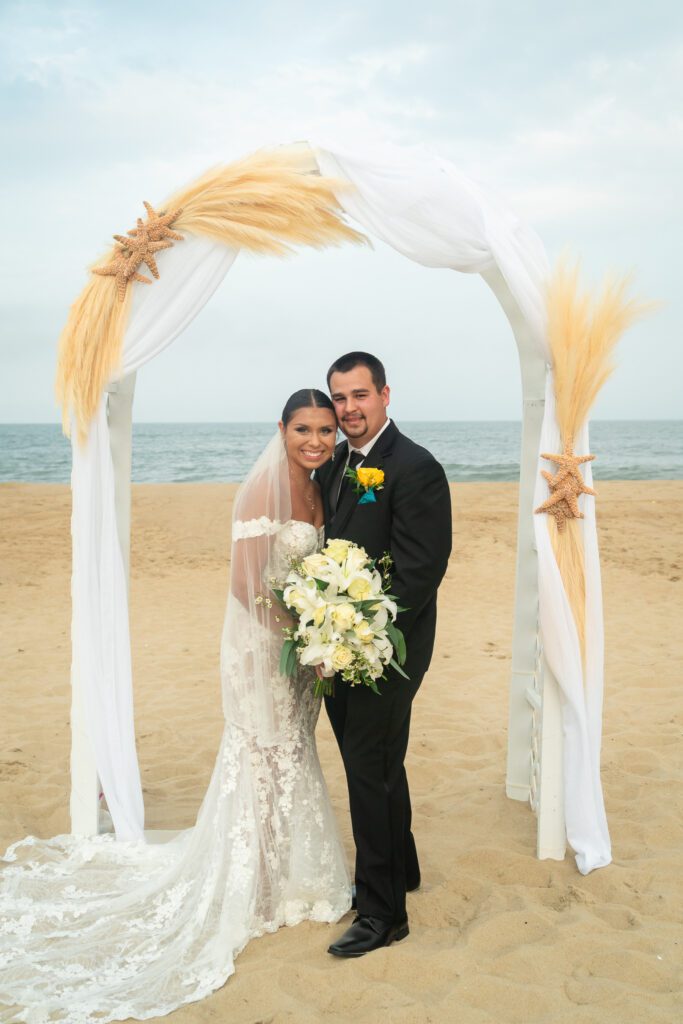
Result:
{"points": [[370, 477], [341, 658], [343, 616], [337, 549], [360, 590]]}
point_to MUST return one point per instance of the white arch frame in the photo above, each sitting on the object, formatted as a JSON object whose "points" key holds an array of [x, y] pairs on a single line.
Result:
{"points": [[534, 759], [538, 718]]}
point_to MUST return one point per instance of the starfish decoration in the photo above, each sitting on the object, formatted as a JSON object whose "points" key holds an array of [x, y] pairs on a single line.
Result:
{"points": [[565, 485], [158, 225], [140, 246]]}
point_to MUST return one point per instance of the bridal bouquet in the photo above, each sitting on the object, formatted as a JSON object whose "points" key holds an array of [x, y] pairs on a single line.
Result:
{"points": [[344, 616]]}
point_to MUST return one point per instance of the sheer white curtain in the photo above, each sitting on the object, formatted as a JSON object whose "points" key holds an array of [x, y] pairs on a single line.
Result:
{"points": [[191, 272], [424, 208]]}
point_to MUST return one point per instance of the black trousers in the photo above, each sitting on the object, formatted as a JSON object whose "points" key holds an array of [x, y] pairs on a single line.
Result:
{"points": [[372, 733]]}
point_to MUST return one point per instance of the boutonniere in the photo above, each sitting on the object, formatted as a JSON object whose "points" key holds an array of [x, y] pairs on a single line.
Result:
{"points": [[365, 482]]}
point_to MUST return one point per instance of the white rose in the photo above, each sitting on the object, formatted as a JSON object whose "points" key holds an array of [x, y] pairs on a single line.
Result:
{"points": [[343, 616], [337, 549], [341, 658], [360, 589]]}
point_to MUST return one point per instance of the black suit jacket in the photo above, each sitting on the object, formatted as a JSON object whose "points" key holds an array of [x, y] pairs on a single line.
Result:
{"points": [[411, 518]]}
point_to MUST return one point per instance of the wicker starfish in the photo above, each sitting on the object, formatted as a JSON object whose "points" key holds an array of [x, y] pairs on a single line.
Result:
{"points": [[565, 485], [140, 246]]}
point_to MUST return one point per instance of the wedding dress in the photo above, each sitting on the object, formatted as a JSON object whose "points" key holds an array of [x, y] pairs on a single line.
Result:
{"points": [[93, 929]]}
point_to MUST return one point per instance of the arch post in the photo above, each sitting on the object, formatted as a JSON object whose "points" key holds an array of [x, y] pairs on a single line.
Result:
{"points": [[87, 818], [534, 754]]}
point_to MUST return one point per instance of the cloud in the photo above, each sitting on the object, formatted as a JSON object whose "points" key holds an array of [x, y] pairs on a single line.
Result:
{"points": [[106, 105]]}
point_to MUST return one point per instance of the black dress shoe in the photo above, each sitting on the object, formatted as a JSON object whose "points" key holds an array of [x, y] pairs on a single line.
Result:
{"points": [[415, 886], [366, 934]]}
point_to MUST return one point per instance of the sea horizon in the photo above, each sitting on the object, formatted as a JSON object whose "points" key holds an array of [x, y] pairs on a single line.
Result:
{"points": [[223, 451]]}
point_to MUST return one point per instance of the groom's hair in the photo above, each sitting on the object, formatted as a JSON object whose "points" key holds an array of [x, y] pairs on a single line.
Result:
{"points": [[353, 359], [307, 398]]}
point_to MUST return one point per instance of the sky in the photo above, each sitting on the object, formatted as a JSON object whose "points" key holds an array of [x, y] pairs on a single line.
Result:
{"points": [[572, 112]]}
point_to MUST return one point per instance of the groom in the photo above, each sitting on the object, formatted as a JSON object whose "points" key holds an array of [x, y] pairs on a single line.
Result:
{"points": [[411, 518]]}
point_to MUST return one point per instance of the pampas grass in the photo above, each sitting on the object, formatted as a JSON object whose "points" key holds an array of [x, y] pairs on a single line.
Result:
{"points": [[583, 331], [266, 204]]}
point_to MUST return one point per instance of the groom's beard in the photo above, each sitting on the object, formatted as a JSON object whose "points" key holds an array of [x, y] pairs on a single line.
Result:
{"points": [[355, 427]]}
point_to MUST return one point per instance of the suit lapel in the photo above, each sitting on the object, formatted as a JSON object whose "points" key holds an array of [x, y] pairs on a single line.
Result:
{"points": [[380, 451]]}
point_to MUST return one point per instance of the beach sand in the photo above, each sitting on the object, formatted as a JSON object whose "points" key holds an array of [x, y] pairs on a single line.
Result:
{"points": [[496, 935]]}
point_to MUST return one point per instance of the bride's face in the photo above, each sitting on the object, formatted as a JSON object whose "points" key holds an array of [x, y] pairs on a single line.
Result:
{"points": [[310, 437]]}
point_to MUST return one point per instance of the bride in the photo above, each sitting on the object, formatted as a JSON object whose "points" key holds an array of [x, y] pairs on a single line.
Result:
{"points": [[95, 930]]}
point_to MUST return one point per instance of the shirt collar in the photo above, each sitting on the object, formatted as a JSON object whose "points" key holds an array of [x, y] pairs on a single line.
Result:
{"points": [[365, 450]]}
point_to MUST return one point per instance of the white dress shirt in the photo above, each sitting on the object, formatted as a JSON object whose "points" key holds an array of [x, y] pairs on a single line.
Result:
{"points": [[366, 447]]}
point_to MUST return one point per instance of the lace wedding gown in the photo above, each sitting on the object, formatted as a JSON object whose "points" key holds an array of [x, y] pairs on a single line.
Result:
{"points": [[95, 930]]}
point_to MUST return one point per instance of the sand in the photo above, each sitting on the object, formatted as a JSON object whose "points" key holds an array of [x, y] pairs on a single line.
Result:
{"points": [[496, 935]]}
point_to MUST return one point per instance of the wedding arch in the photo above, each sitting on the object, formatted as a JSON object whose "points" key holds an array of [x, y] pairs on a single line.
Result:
{"points": [[427, 210]]}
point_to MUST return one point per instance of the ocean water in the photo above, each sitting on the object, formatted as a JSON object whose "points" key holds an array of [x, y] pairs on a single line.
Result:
{"points": [[469, 451]]}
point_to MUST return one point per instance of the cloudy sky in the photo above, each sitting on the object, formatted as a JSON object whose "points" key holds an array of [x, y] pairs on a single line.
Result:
{"points": [[572, 111]]}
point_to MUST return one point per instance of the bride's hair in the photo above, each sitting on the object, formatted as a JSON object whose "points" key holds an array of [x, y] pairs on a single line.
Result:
{"points": [[307, 398]]}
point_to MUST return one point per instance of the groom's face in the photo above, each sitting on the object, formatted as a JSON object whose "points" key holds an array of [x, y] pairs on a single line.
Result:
{"points": [[361, 409]]}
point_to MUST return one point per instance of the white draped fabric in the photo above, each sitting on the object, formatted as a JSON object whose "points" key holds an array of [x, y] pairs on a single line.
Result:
{"points": [[192, 271], [428, 211], [585, 819]]}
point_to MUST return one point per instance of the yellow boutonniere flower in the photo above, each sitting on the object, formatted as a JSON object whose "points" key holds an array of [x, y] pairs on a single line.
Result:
{"points": [[371, 479], [367, 480]]}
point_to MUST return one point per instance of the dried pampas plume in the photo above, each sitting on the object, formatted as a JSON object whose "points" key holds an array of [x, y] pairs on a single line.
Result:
{"points": [[583, 331], [266, 204]]}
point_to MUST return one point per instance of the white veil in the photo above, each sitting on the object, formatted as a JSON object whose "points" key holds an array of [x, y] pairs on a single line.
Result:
{"points": [[251, 642], [94, 930]]}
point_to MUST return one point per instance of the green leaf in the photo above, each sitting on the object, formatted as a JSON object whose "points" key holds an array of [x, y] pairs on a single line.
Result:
{"points": [[287, 648], [400, 647], [398, 641], [292, 661], [353, 477], [395, 665]]}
